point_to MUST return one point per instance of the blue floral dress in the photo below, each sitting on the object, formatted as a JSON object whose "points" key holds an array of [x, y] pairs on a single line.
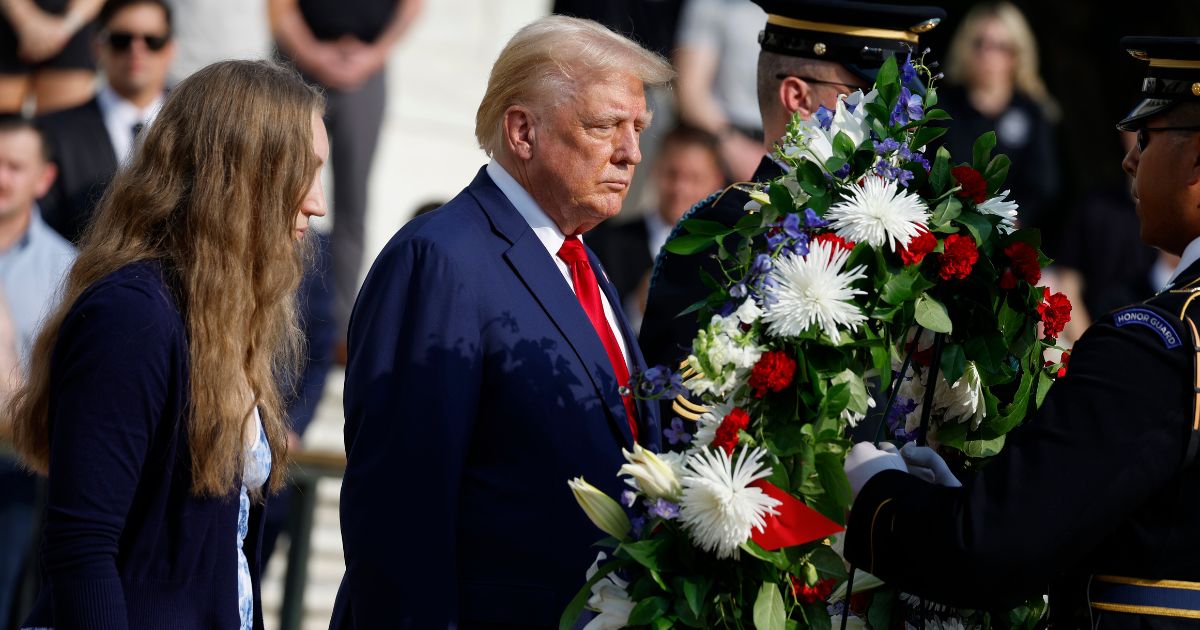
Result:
{"points": [[254, 474]]}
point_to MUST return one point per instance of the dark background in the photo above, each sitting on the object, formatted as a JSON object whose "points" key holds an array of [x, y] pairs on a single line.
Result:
{"points": [[1093, 79]]}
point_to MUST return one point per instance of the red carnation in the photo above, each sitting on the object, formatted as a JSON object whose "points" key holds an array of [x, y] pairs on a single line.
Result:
{"points": [[812, 594], [773, 372], [918, 247], [1062, 369], [727, 433], [1008, 281], [1055, 311], [838, 242], [958, 257], [974, 186], [1024, 262]]}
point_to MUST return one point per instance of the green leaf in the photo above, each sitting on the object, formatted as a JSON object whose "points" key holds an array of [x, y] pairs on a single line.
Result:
{"points": [[954, 362], [905, 286], [828, 562], [939, 174], [781, 198], [843, 145], [573, 610], [857, 389], [705, 227], [662, 623], [646, 552], [833, 477], [835, 400], [932, 315], [948, 210], [989, 353], [937, 114], [768, 608], [1016, 412], [978, 225], [879, 615], [689, 244], [982, 151], [835, 163], [695, 594], [1011, 322], [787, 440], [952, 435], [996, 172], [983, 448], [1043, 388], [647, 610], [927, 134]]}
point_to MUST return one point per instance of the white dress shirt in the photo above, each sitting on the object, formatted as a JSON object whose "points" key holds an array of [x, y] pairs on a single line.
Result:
{"points": [[552, 238], [657, 232], [120, 116], [1189, 256]]}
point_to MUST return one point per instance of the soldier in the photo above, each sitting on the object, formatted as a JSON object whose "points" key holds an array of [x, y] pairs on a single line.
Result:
{"points": [[1097, 497], [812, 52]]}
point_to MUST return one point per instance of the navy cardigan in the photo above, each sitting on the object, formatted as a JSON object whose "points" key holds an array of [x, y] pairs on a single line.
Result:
{"points": [[126, 544]]}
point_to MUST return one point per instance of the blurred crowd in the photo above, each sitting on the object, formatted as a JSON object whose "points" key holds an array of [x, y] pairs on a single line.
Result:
{"points": [[80, 80]]}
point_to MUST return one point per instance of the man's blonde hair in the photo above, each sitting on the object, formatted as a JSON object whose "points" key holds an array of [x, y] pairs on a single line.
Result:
{"points": [[546, 61]]}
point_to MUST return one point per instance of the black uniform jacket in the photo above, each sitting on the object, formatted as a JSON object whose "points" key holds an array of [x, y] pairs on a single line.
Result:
{"points": [[1094, 483], [675, 283]]}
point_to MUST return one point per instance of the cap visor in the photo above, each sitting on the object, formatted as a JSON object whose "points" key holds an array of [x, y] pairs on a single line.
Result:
{"points": [[1142, 111]]}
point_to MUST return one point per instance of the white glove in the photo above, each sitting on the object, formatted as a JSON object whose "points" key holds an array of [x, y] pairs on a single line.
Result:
{"points": [[924, 463], [865, 461]]}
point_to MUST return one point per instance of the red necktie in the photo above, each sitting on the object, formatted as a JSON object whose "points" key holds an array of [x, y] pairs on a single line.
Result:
{"points": [[587, 289]]}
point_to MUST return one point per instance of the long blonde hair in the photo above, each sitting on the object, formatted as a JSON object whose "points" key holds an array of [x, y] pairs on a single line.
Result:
{"points": [[1026, 78], [212, 194]]}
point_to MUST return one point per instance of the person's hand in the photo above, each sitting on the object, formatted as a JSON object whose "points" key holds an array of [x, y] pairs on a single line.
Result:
{"points": [[924, 463], [323, 62], [865, 460], [360, 61], [41, 36]]}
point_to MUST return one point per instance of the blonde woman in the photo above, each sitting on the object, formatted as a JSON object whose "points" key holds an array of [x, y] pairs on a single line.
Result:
{"points": [[993, 85], [153, 402]]}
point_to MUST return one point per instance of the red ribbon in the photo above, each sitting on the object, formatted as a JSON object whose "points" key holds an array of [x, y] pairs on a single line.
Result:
{"points": [[795, 524]]}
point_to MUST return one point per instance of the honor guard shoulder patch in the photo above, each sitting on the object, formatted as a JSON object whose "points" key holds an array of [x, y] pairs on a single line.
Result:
{"points": [[1151, 320]]}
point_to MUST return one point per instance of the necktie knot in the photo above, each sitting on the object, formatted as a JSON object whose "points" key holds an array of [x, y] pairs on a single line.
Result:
{"points": [[572, 251]]}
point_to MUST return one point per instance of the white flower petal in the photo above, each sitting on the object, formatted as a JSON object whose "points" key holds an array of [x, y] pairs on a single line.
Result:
{"points": [[720, 509], [877, 212], [1006, 210], [814, 289]]}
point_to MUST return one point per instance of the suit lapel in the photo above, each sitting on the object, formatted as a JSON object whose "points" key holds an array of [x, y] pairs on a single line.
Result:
{"points": [[538, 272], [100, 137]]}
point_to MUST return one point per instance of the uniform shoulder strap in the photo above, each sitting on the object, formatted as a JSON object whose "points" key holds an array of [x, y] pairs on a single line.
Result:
{"points": [[1188, 314]]}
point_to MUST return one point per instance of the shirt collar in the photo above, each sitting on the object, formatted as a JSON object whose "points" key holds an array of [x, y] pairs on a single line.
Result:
{"points": [[1190, 255], [543, 226], [657, 232], [121, 115]]}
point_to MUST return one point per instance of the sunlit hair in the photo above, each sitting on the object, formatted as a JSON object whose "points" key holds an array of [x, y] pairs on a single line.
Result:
{"points": [[1026, 79], [548, 59], [212, 194]]}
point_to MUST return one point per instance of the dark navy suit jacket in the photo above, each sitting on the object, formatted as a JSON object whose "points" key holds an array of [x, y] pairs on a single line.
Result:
{"points": [[476, 387]]}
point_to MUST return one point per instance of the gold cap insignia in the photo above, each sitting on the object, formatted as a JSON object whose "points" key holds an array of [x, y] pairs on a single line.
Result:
{"points": [[926, 26]]}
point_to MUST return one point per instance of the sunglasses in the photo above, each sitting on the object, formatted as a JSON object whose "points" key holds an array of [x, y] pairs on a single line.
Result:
{"points": [[121, 41], [1143, 134], [983, 44], [784, 75]]}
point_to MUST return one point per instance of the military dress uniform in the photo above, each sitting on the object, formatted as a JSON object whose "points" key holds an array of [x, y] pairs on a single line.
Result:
{"points": [[1097, 496], [857, 35]]}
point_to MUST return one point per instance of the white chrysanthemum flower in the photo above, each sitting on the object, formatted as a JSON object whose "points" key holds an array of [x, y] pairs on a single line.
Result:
{"points": [[963, 401], [708, 422], [877, 212], [719, 507], [1006, 210], [610, 599], [852, 417], [814, 289]]}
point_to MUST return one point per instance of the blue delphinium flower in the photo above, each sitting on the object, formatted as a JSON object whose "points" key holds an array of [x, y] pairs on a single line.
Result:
{"points": [[762, 264], [737, 291], [824, 117], [677, 433], [813, 221], [909, 107], [663, 509], [909, 155], [897, 419], [841, 173], [799, 247], [908, 74], [791, 226], [887, 146], [638, 523], [628, 498]]}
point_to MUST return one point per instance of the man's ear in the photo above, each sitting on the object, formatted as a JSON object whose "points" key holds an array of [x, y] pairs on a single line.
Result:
{"points": [[520, 131], [796, 95], [49, 172]]}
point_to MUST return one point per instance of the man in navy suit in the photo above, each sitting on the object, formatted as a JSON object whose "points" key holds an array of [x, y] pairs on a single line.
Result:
{"points": [[487, 351]]}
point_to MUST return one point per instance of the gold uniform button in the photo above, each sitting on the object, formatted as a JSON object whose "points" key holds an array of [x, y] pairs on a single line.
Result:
{"points": [[1196, 89], [819, 48]]}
